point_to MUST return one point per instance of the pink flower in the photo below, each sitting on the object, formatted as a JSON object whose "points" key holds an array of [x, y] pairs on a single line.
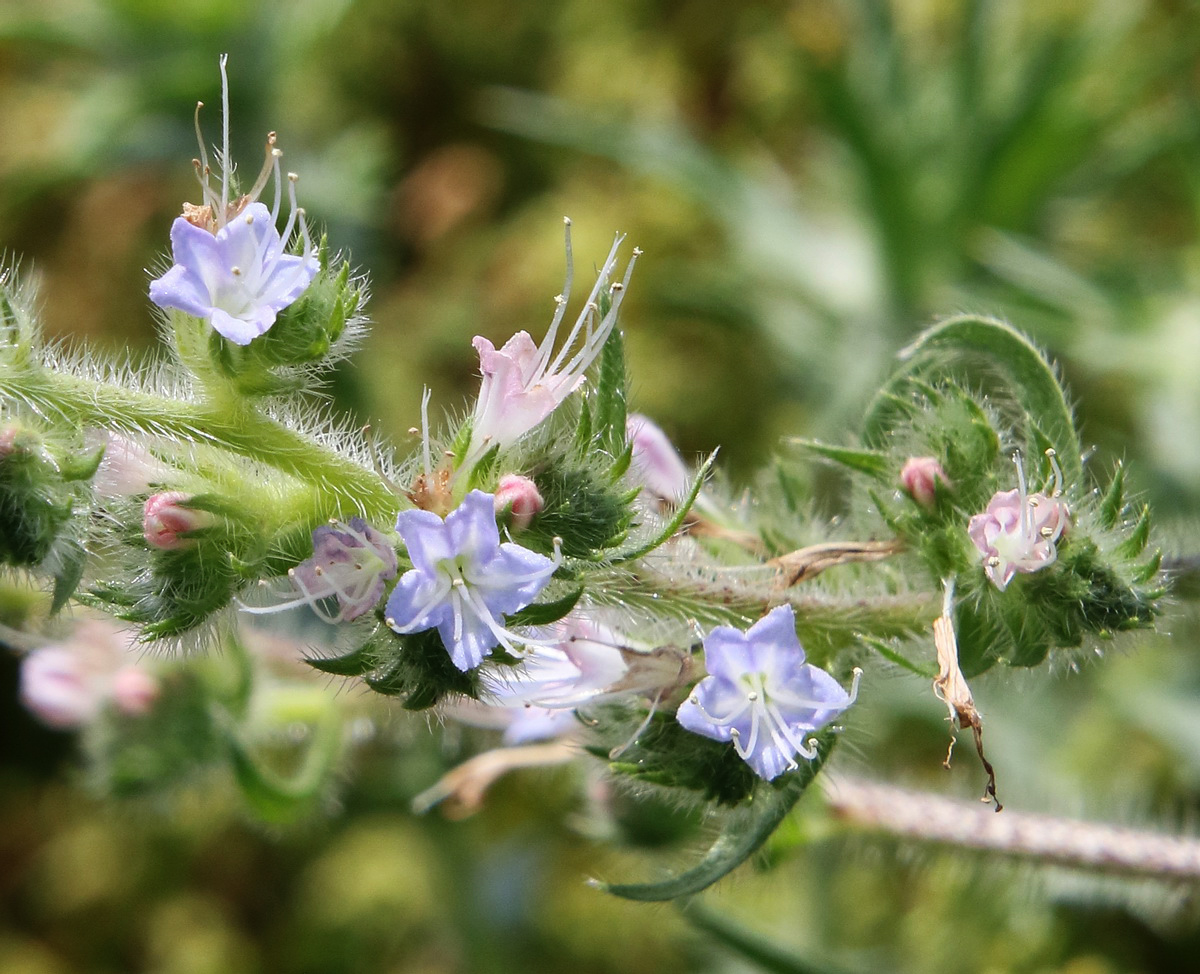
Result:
{"points": [[518, 496], [167, 519], [1019, 531], [656, 464], [66, 685], [60, 688], [920, 477], [523, 383]]}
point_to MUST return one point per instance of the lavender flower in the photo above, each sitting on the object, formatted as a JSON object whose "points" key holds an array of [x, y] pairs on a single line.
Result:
{"points": [[522, 383], [761, 695], [231, 265], [350, 562], [1019, 531], [464, 581]]}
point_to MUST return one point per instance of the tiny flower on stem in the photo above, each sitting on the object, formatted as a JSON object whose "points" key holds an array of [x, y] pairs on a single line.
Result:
{"points": [[761, 694], [921, 477], [464, 581], [523, 383], [231, 266], [167, 520], [1019, 531]]}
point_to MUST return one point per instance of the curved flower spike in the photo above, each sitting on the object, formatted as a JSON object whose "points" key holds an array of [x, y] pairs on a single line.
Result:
{"points": [[762, 696], [464, 581], [523, 383]]}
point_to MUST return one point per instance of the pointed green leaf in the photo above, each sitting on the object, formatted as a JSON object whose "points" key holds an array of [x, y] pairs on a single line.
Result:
{"points": [[71, 562], [874, 463], [1136, 543], [1114, 500], [743, 835], [544, 613], [362, 660], [676, 522], [610, 409]]}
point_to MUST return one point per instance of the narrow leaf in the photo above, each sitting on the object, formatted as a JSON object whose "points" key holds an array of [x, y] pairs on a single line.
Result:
{"points": [[743, 835], [544, 613], [1114, 499], [362, 660], [676, 522], [874, 463], [609, 420]]}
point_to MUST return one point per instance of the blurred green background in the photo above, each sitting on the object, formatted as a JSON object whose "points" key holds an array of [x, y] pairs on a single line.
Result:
{"points": [[812, 182]]}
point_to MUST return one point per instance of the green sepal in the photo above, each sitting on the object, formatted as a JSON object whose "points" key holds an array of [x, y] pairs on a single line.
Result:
{"points": [[544, 613], [581, 508], [1139, 537], [1113, 502], [357, 663], [1151, 567], [81, 465], [743, 835], [417, 667]]}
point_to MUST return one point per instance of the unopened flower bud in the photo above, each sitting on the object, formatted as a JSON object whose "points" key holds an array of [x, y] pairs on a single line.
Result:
{"points": [[166, 518], [520, 497], [134, 691], [920, 477]]}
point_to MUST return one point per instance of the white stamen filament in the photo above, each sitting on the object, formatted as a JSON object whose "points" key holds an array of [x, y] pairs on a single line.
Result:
{"points": [[226, 163]]}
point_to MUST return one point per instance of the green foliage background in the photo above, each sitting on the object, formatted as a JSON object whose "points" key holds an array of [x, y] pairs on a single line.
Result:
{"points": [[812, 182]]}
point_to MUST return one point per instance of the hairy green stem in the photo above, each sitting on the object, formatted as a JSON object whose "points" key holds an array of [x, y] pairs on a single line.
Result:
{"points": [[341, 486]]}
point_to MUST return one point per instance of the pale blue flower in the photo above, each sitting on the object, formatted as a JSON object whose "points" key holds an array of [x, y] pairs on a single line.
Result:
{"points": [[762, 696], [464, 581], [238, 278], [231, 265]]}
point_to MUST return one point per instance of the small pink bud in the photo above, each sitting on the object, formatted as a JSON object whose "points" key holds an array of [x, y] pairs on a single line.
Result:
{"points": [[166, 518], [519, 496], [134, 691], [920, 477]]}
